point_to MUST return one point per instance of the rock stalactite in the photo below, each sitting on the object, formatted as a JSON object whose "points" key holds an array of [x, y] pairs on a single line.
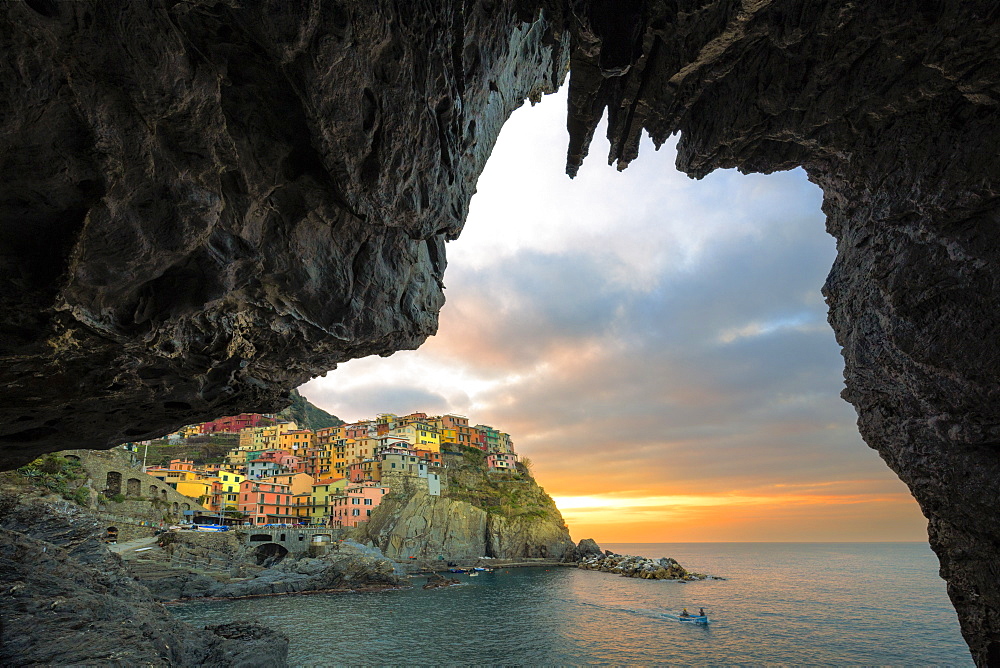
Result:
{"points": [[205, 203]]}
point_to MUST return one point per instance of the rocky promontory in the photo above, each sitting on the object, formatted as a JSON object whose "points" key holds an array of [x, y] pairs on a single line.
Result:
{"points": [[478, 514], [630, 566]]}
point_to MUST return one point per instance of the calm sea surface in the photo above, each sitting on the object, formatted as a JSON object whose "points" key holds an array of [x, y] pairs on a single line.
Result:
{"points": [[790, 603]]}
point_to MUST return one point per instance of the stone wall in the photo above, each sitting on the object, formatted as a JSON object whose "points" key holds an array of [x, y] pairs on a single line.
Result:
{"points": [[155, 500]]}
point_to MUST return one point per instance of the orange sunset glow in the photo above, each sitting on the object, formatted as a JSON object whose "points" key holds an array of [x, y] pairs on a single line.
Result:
{"points": [[657, 347]]}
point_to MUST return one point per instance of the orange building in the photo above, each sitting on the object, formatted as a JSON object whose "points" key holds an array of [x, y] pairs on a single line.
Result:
{"points": [[265, 502]]}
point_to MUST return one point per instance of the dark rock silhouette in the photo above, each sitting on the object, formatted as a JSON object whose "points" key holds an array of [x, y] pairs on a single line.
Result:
{"points": [[205, 204]]}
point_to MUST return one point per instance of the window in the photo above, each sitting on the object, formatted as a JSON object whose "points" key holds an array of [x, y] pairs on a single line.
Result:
{"points": [[356, 501], [357, 512], [368, 502], [369, 513]]}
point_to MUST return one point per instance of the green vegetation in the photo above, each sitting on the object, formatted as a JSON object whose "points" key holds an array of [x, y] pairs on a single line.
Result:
{"points": [[199, 449], [53, 474], [308, 416], [507, 494]]}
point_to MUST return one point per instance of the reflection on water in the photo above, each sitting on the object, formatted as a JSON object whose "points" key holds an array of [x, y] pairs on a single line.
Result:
{"points": [[782, 603]]}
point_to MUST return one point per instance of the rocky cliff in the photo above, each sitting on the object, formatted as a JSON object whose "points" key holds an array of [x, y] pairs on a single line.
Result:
{"points": [[204, 203], [68, 601], [479, 514]]}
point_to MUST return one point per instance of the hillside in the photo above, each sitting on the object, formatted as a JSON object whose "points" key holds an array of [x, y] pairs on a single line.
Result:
{"points": [[307, 415]]}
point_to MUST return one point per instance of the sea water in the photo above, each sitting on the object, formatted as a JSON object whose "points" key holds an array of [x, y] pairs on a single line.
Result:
{"points": [[787, 603]]}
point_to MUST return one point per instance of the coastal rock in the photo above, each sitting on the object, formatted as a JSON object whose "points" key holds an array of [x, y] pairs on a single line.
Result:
{"points": [[226, 568], [67, 600], [639, 567], [585, 549]]}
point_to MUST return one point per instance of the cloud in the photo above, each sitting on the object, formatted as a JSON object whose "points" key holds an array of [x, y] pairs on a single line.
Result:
{"points": [[637, 332]]}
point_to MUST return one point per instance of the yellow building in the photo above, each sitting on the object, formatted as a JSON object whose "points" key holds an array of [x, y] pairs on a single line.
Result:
{"points": [[229, 489], [199, 490], [419, 435], [266, 438], [246, 437], [299, 483], [448, 437], [354, 450], [296, 441], [328, 434], [302, 507], [322, 492], [172, 476]]}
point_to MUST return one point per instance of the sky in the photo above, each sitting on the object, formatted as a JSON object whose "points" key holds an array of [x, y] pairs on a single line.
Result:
{"points": [[656, 346]]}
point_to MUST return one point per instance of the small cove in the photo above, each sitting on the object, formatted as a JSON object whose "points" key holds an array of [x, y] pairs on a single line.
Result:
{"points": [[798, 603]]}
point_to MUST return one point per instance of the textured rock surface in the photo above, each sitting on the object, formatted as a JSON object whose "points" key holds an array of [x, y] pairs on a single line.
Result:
{"points": [[349, 566], [629, 566], [68, 601], [204, 204], [478, 516]]}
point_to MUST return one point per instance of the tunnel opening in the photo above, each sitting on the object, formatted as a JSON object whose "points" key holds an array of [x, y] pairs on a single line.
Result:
{"points": [[270, 554]]}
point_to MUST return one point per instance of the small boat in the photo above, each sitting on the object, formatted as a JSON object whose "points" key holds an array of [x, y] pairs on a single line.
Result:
{"points": [[473, 574], [689, 619], [693, 619]]}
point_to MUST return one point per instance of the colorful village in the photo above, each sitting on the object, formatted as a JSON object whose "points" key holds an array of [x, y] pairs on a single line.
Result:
{"points": [[280, 474]]}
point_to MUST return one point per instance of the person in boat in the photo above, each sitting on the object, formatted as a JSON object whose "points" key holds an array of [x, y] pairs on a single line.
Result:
{"points": [[701, 612], [685, 613]]}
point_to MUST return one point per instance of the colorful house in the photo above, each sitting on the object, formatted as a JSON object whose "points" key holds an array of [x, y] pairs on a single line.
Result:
{"points": [[368, 469], [501, 461], [356, 504], [233, 424], [265, 502], [299, 483], [322, 492], [263, 468], [296, 441], [199, 490], [226, 490]]}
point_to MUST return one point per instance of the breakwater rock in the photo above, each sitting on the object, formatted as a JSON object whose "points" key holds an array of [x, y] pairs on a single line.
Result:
{"points": [[630, 566], [222, 567], [65, 599]]}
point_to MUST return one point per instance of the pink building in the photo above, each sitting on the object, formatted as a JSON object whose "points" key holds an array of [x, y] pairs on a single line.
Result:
{"points": [[501, 461], [358, 429], [356, 504]]}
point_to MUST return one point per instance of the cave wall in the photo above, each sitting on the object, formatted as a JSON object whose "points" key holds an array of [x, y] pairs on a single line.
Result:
{"points": [[206, 203]]}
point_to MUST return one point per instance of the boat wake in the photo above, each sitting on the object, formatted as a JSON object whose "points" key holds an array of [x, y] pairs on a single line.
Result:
{"points": [[645, 612]]}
